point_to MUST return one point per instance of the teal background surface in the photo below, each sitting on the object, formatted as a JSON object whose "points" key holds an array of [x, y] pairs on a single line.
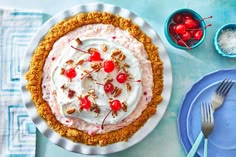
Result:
{"points": [[187, 66]]}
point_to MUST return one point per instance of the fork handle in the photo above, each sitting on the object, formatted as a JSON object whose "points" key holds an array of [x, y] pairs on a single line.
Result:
{"points": [[195, 145], [205, 147]]}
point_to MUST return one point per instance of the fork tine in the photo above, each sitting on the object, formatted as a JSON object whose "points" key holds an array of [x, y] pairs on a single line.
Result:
{"points": [[227, 88], [224, 87], [203, 112], [206, 112]]}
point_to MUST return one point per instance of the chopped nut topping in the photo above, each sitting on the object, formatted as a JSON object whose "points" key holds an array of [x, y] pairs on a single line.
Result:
{"points": [[63, 86], [80, 62], [92, 93], [117, 64], [62, 71], [121, 57], [124, 106], [104, 47], [114, 113], [91, 50], [110, 100], [95, 109], [128, 87], [79, 41], [70, 111], [90, 77], [108, 79], [126, 65], [117, 91], [96, 66], [70, 61], [71, 93], [115, 52], [125, 69]]}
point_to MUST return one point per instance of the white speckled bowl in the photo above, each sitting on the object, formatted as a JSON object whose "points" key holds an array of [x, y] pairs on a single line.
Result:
{"points": [[216, 43]]}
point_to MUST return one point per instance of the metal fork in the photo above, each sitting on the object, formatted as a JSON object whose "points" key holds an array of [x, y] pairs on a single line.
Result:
{"points": [[220, 94], [217, 101], [207, 123]]}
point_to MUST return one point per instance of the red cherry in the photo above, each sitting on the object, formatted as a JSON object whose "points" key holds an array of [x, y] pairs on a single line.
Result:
{"points": [[172, 28], [180, 29], [181, 42], [95, 56], [198, 34], [70, 73], [186, 36], [190, 23], [188, 16], [85, 103], [109, 66], [108, 87], [121, 77], [115, 105], [178, 18]]}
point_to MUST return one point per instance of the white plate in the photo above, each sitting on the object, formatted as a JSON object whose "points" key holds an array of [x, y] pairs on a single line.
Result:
{"points": [[149, 125]]}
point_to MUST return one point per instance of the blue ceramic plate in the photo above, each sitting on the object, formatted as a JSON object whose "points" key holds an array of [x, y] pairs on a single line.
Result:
{"points": [[222, 141]]}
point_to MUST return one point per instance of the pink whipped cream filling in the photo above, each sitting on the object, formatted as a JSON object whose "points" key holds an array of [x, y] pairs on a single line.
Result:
{"points": [[113, 34]]}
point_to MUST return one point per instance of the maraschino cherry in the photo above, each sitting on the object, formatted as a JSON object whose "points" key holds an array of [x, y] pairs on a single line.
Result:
{"points": [[108, 87], [115, 106], [180, 29], [70, 73], [85, 103], [94, 55], [109, 66], [185, 29], [121, 77], [178, 18]]}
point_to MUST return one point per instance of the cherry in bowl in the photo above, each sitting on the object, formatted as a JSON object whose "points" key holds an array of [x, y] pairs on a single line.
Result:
{"points": [[185, 29]]}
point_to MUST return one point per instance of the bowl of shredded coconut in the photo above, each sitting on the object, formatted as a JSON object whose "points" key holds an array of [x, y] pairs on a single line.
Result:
{"points": [[225, 40]]}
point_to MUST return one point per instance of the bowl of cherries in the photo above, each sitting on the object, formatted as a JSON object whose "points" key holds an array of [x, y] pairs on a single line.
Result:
{"points": [[185, 29]]}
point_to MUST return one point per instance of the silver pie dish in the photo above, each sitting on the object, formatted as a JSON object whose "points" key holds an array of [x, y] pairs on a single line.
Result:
{"points": [[142, 132]]}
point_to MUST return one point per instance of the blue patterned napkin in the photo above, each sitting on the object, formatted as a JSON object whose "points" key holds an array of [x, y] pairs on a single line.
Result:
{"points": [[17, 132]]}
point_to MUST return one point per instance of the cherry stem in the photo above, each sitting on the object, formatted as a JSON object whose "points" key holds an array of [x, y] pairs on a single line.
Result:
{"points": [[102, 126], [135, 80], [79, 49], [88, 73], [99, 83], [205, 18], [199, 28], [184, 42]]}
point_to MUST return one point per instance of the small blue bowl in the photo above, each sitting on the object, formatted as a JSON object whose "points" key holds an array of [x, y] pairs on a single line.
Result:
{"points": [[196, 16], [216, 42]]}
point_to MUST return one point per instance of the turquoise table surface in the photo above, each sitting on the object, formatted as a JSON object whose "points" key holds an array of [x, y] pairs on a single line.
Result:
{"points": [[187, 66]]}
